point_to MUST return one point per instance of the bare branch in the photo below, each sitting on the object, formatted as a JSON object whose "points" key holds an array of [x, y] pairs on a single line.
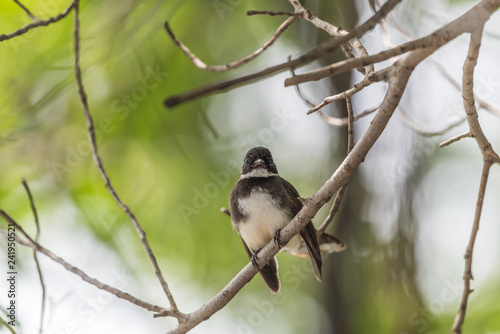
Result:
{"points": [[459, 319], [29, 242], [482, 103], [38, 23], [489, 158], [455, 139], [33, 17], [100, 166], [37, 236], [367, 81], [219, 68]]}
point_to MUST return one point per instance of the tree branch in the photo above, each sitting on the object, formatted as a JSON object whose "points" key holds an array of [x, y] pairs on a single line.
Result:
{"points": [[219, 68], [40, 276], [489, 158], [455, 139], [26, 10], [367, 81], [100, 165], [37, 23], [306, 58]]}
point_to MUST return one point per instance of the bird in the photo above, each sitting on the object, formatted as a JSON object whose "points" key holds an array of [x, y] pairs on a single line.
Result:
{"points": [[261, 204]]}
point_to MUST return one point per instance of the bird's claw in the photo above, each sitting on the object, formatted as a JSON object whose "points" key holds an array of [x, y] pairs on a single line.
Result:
{"points": [[277, 237], [255, 258]]}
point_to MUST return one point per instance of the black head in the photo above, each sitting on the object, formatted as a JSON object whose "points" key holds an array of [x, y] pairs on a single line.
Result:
{"points": [[258, 163]]}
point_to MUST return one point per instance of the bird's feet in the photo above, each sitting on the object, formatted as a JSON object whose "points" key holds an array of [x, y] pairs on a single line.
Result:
{"points": [[255, 258], [277, 237]]}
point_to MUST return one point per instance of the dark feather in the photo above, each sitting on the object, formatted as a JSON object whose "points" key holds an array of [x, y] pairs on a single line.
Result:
{"points": [[269, 272], [308, 233]]}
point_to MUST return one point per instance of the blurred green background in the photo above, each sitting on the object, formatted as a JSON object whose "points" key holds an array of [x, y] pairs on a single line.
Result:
{"points": [[406, 215]]}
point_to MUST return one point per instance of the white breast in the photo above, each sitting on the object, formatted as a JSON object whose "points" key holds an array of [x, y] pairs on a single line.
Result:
{"points": [[264, 218]]}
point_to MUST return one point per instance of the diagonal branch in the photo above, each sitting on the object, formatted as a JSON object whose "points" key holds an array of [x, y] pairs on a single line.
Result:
{"points": [[26, 10], [100, 165], [37, 236], [367, 81], [38, 23], [29, 242]]}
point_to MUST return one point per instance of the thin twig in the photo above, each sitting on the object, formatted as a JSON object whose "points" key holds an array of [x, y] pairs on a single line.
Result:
{"points": [[334, 121], [37, 23], [100, 165], [273, 13], [29, 242], [367, 81], [459, 319], [37, 236], [219, 68], [455, 139], [33, 17]]}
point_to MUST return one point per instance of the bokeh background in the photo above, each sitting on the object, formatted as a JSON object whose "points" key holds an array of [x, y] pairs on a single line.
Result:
{"points": [[406, 216]]}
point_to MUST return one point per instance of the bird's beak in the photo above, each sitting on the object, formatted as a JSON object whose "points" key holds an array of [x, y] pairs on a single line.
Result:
{"points": [[259, 162]]}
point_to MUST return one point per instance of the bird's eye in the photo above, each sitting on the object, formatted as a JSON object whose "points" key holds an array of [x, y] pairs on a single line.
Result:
{"points": [[247, 161]]}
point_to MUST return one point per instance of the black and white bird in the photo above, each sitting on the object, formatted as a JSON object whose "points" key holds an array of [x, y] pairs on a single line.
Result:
{"points": [[262, 203]]}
